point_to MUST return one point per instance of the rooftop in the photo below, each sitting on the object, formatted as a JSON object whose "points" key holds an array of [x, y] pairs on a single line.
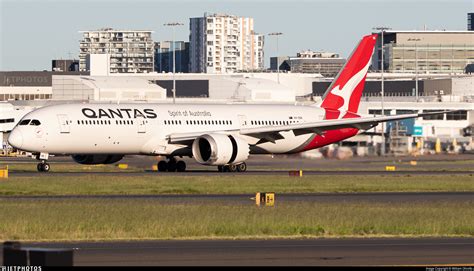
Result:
{"points": [[428, 31]]}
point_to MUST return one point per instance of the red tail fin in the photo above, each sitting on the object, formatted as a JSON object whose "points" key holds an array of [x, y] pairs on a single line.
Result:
{"points": [[345, 91]]}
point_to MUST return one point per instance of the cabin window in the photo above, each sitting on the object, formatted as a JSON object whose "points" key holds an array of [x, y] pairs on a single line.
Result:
{"points": [[35, 123], [24, 122], [6, 120]]}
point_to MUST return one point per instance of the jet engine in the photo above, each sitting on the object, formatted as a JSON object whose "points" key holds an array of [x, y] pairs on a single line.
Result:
{"points": [[95, 159], [220, 149]]}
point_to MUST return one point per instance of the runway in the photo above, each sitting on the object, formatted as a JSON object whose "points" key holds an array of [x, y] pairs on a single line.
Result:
{"points": [[322, 252], [266, 165], [248, 199], [248, 173]]}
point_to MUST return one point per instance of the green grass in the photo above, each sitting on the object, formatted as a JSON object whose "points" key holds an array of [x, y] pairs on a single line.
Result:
{"points": [[168, 184], [42, 220]]}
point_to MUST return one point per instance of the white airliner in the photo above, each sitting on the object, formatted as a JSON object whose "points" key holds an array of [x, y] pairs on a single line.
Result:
{"points": [[216, 135]]}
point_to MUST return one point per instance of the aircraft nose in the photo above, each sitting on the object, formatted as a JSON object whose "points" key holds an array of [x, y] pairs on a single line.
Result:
{"points": [[15, 139]]}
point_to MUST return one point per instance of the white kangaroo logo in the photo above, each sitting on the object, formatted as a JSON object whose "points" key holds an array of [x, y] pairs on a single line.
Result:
{"points": [[346, 92]]}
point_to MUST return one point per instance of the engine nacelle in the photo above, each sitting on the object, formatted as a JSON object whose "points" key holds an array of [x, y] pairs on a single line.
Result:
{"points": [[220, 149], [95, 159]]}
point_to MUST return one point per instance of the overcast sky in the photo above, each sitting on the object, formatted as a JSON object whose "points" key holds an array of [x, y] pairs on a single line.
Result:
{"points": [[32, 33]]}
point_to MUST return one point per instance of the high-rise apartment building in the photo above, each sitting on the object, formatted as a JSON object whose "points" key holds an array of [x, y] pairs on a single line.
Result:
{"points": [[65, 65], [221, 43], [164, 56], [470, 21], [129, 51]]}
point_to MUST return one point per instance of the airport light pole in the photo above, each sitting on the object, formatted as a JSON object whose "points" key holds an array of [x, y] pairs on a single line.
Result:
{"points": [[382, 31], [174, 58], [416, 66], [278, 66]]}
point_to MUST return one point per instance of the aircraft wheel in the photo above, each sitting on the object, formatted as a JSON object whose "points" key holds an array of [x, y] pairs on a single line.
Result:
{"points": [[181, 166], [172, 165], [43, 167], [242, 167], [232, 168], [220, 168], [162, 166]]}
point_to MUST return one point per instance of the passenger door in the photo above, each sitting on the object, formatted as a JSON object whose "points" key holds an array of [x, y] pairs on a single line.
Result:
{"points": [[141, 122], [242, 121], [64, 124]]}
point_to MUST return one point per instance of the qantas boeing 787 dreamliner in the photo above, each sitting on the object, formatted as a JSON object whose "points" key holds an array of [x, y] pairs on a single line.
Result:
{"points": [[216, 135]]}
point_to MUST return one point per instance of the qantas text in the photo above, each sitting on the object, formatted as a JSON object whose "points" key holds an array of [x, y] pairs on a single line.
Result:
{"points": [[119, 113]]}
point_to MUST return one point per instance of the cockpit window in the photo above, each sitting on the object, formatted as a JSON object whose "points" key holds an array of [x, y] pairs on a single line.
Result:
{"points": [[35, 123], [24, 122]]}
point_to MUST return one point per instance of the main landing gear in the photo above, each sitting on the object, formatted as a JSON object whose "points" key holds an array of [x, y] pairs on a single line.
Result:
{"points": [[233, 168], [172, 165], [43, 166]]}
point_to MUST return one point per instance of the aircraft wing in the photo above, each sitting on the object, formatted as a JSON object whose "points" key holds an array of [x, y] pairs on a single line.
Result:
{"points": [[272, 133]]}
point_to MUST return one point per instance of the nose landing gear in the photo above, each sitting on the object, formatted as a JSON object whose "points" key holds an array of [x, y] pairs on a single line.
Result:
{"points": [[43, 166]]}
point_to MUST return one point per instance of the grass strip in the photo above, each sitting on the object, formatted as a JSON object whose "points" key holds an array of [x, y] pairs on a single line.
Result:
{"points": [[49, 220], [232, 184]]}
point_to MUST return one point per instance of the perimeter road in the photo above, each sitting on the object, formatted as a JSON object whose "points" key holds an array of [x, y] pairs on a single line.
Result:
{"points": [[367, 252]]}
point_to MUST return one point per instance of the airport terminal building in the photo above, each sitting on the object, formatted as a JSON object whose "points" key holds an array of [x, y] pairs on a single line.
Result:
{"points": [[425, 51]]}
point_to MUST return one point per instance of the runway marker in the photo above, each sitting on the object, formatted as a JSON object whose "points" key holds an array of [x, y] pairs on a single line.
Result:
{"points": [[122, 166], [4, 173], [296, 173]]}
